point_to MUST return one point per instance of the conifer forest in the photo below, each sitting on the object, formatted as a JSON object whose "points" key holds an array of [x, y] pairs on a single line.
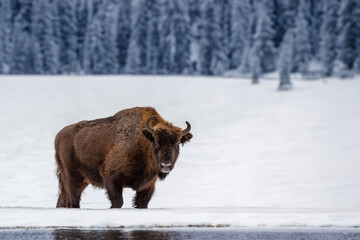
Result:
{"points": [[180, 37]]}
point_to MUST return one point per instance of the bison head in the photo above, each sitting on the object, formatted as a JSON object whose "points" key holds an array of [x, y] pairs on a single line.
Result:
{"points": [[166, 140]]}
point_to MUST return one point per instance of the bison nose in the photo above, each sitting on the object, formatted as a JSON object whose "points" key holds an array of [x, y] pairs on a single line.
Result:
{"points": [[167, 165]]}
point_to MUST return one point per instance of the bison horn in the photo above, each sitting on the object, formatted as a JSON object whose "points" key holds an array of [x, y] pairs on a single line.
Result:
{"points": [[147, 124], [187, 130]]}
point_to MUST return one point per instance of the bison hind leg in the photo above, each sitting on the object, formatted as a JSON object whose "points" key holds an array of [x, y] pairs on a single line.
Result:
{"points": [[75, 188], [72, 197], [71, 185]]}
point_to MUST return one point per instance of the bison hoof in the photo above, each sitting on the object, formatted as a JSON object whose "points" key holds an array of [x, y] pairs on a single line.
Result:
{"points": [[116, 206], [142, 207]]}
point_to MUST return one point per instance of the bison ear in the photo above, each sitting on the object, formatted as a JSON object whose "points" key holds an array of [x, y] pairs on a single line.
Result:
{"points": [[186, 138], [148, 135]]}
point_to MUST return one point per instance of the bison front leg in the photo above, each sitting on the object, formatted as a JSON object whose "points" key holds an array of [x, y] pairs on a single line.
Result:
{"points": [[114, 190], [142, 198]]}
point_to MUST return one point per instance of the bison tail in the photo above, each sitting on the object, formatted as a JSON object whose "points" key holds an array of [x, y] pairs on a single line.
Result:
{"points": [[62, 200]]}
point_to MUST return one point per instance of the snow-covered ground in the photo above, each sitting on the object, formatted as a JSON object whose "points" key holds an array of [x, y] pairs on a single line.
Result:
{"points": [[259, 157]]}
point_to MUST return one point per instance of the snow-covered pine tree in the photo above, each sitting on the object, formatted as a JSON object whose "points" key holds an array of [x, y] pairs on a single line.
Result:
{"points": [[289, 8], [36, 34], [43, 33], [154, 64], [103, 48], [288, 18], [242, 36], [195, 23], [280, 28], [357, 61], [176, 37], [86, 64], [56, 30], [81, 16], [213, 58], [221, 37], [328, 36], [181, 24], [23, 59], [223, 16], [267, 35], [38, 61], [137, 53], [194, 10], [285, 58], [347, 36], [316, 19], [67, 38], [207, 31], [6, 43], [109, 34], [51, 48], [255, 66], [302, 51], [357, 20], [167, 41], [97, 5], [263, 51], [123, 32], [96, 48], [245, 66], [20, 61]]}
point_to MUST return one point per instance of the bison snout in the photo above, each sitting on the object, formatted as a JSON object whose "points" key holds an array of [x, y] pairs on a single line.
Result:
{"points": [[166, 167]]}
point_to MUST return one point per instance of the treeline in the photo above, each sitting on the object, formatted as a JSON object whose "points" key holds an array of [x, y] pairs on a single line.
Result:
{"points": [[197, 37]]}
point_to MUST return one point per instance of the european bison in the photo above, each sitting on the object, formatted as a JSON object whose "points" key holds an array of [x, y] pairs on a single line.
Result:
{"points": [[130, 149]]}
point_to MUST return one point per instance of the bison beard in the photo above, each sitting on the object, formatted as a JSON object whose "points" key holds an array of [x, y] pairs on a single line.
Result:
{"points": [[130, 149]]}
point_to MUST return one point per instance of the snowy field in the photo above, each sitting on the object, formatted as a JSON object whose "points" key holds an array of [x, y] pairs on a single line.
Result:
{"points": [[259, 157]]}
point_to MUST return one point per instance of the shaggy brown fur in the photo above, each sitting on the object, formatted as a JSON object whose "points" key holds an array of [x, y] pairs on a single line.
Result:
{"points": [[114, 153]]}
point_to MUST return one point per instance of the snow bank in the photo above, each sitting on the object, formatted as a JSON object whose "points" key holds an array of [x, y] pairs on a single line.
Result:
{"points": [[180, 217]]}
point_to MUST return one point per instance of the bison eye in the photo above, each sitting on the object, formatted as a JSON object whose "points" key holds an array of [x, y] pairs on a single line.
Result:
{"points": [[177, 145]]}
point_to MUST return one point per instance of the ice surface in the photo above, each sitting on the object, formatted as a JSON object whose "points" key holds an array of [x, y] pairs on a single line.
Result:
{"points": [[253, 147]]}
